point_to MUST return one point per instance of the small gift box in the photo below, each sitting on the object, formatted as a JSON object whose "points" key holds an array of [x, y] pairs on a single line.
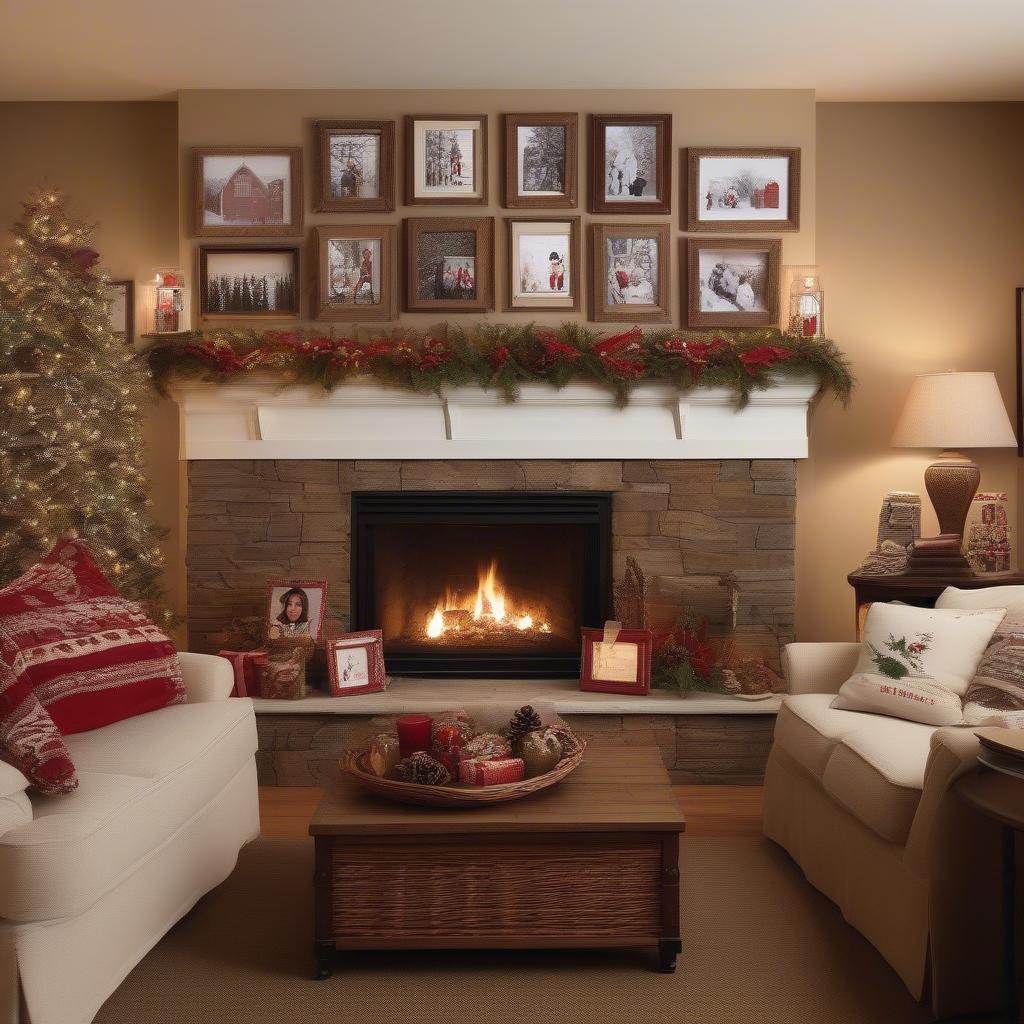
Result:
{"points": [[616, 660], [246, 666], [477, 772]]}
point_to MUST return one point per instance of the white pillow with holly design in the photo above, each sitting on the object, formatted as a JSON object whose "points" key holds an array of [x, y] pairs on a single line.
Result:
{"points": [[916, 663]]}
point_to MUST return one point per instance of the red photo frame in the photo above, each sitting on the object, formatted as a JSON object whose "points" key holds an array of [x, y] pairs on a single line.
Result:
{"points": [[355, 663], [629, 674]]}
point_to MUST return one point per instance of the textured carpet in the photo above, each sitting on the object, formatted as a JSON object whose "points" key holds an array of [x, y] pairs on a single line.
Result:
{"points": [[759, 945]]}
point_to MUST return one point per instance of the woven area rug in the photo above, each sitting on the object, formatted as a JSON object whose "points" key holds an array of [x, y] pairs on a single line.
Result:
{"points": [[759, 945]]}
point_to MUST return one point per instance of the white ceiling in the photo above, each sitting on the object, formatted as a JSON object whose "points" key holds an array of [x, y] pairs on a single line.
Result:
{"points": [[844, 49]]}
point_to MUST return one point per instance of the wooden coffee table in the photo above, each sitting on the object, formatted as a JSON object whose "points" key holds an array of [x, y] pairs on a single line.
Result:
{"points": [[591, 862]]}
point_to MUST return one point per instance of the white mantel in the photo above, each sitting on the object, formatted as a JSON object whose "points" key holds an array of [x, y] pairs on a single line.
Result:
{"points": [[579, 421]]}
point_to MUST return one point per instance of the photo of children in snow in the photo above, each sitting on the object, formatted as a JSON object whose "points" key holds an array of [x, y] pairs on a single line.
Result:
{"points": [[630, 163], [446, 265], [632, 271], [541, 151], [543, 265], [253, 282], [743, 188], [354, 270], [355, 162], [733, 282]]}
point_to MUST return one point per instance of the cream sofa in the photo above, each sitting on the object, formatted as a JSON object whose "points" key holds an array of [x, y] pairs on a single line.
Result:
{"points": [[89, 882], [863, 804]]}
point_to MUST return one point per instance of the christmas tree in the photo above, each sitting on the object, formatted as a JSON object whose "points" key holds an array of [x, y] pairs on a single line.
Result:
{"points": [[71, 450]]}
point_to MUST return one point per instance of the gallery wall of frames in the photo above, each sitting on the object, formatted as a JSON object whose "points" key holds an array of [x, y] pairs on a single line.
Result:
{"points": [[632, 246]]}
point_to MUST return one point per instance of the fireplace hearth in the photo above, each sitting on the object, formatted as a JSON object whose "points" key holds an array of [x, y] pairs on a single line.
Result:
{"points": [[470, 583]]}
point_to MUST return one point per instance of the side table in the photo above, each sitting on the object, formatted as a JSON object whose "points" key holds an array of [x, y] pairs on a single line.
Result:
{"points": [[1000, 796], [922, 591]]}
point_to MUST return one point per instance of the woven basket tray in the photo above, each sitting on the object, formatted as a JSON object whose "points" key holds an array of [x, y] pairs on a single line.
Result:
{"points": [[357, 764]]}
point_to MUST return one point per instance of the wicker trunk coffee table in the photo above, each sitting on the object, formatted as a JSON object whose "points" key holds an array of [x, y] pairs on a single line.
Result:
{"points": [[592, 862]]}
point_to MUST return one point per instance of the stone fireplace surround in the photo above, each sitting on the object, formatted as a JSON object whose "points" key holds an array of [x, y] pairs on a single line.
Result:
{"points": [[703, 496]]}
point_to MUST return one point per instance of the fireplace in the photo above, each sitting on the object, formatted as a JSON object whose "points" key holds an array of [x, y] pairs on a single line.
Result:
{"points": [[472, 583]]}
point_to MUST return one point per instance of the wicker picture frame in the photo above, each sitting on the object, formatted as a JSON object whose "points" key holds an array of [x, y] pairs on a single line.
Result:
{"points": [[482, 230], [325, 307], [325, 133], [699, 318], [367, 650], [661, 202], [526, 304], [513, 196], [292, 211], [602, 309], [206, 306], [691, 170], [414, 195]]}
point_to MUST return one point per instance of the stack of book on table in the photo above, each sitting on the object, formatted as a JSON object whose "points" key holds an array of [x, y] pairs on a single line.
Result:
{"points": [[1002, 749], [938, 556]]}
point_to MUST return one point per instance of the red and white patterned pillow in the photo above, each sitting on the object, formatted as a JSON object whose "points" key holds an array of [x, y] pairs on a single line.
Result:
{"points": [[91, 656]]}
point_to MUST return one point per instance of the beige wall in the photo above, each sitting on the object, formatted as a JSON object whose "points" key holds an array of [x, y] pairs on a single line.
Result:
{"points": [[920, 240], [116, 164]]}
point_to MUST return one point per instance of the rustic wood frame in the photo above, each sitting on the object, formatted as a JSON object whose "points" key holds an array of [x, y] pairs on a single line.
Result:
{"points": [[373, 644], [512, 198], [324, 131], [695, 317], [643, 639], [202, 260], [577, 273], [479, 161], [387, 308], [304, 584], [598, 204], [690, 173], [483, 229], [294, 226], [129, 310], [603, 312]]}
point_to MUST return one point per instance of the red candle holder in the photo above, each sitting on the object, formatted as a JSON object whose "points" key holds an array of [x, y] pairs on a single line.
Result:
{"points": [[414, 733]]}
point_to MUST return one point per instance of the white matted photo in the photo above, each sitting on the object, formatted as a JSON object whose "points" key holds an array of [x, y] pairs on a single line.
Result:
{"points": [[542, 264], [246, 191], [353, 271], [355, 663], [632, 264], [448, 160], [295, 608]]}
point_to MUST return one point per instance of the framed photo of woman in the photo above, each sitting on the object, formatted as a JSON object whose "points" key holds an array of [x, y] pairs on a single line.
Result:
{"points": [[295, 608]]}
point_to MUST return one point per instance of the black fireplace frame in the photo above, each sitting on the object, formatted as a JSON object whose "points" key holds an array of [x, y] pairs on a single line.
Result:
{"points": [[590, 509]]}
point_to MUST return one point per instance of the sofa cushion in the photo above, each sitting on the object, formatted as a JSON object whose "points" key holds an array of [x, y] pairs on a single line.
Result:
{"points": [[877, 774], [91, 656], [142, 779], [808, 729]]}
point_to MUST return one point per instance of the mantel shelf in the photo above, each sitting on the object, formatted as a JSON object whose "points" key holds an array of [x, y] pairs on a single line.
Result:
{"points": [[579, 421]]}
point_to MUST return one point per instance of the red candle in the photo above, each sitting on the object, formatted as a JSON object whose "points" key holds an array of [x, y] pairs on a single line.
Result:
{"points": [[414, 733]]}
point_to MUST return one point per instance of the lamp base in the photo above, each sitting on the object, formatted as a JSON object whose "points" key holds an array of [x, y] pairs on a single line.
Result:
{"points": [[951, 483]]}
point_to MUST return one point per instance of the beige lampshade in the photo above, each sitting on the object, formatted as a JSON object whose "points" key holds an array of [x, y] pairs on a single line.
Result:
{"points": [[952, 411]]}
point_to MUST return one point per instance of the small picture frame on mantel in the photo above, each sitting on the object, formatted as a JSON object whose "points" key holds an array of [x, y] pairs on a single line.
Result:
{"points": [[355, 663], [616, 660]]}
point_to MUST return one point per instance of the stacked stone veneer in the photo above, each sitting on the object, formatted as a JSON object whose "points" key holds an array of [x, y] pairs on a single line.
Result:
{"points": [[716, 537]]}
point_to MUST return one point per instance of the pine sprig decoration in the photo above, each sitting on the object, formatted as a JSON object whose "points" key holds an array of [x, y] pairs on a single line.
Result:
{"points": [[505, 356], [71, 395]]}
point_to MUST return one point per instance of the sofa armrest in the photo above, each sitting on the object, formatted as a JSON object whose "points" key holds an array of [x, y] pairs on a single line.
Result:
{"points": [[206, 677], [819, 667], [15, 806]]}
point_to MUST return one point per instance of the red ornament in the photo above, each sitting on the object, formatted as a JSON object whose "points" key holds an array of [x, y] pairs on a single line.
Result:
{"points": [[499, 357], [85, 258]]}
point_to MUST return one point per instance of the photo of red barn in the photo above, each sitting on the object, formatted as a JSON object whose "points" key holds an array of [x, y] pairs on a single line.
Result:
{"points": [[245, 196]]}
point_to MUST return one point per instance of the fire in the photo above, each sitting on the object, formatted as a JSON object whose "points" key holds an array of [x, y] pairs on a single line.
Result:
{"points": [[488, 610]]}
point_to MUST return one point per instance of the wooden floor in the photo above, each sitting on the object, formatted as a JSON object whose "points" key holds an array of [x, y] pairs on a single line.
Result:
{"points": [[710, 810]]}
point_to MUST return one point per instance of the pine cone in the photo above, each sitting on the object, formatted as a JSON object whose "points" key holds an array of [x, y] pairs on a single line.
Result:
{"points": [[423, 769], [523, 721], [568, 740]]}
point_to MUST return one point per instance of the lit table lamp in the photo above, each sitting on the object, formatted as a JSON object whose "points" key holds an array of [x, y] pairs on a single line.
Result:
{"points": [[952, 411]]}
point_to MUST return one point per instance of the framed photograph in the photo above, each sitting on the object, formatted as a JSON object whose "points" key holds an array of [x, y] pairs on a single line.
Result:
{"points": [[295, 608], [357, 277], [249, 282], [742, 189], [247, 190], [122, 310], [616, 661], [732, 282], [1019, 314], [630, 163], [355, 166], [541, 160], [445, 160], [355, 663], [449, 264], [630, 278], [543, 263]]}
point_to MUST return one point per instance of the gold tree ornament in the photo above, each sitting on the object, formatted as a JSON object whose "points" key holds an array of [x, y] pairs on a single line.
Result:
{"points": [[70, 436]]}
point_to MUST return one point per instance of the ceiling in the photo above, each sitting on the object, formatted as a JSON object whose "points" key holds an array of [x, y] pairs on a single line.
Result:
{"points": [[862, 50]]}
